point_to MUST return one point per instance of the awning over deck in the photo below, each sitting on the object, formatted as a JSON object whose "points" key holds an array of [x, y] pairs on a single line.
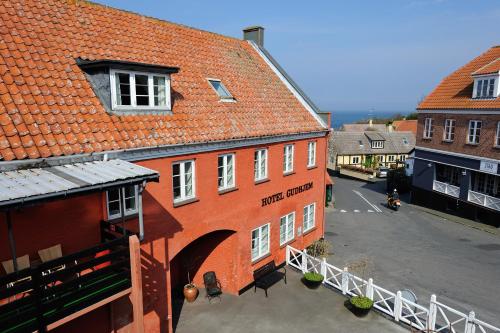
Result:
{"points": [[45, 183]]}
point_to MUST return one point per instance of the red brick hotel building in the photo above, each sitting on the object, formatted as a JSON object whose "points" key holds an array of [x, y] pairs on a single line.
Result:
{"points": [[134, 151]]}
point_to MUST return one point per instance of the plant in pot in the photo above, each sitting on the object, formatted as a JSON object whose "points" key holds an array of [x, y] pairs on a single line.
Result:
{"points": [[313, 280], [190, 290], [318, 249], [360, 305]]}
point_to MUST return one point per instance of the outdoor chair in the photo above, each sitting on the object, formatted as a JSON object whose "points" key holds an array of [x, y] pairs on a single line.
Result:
{"points": [[212, 285], [55, 252], [22, 263]]}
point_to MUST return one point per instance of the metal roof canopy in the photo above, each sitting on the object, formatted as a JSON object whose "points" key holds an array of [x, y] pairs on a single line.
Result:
{"points": [[37, 184]]}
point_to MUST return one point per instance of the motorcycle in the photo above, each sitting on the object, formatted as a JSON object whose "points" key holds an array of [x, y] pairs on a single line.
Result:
{"points": [[393, 203]]}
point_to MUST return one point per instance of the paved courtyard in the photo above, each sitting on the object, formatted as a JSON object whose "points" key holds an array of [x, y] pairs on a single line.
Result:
{"points": [[416, 249], [289, 308]]}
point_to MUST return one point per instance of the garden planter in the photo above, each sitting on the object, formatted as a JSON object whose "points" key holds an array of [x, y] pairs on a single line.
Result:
{"points": [[360, 306], [190, 292], [312, 280]]}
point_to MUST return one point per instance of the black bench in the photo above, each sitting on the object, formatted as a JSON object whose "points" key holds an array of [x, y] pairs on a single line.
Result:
{"points": [[267, 275]]}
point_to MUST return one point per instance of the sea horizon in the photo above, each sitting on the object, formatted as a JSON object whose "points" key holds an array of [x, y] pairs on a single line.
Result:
{"points": [[341, 117]]}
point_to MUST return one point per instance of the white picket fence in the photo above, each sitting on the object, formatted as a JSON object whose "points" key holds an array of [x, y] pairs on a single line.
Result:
{"points": [[438, 317]]}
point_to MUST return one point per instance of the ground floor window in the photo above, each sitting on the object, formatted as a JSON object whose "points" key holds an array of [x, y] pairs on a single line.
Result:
{"points": [[287, 227], [485, 183], [260, 241], [355, 160], [119, 199], [309, 216], [391, 158], [448, 174]]}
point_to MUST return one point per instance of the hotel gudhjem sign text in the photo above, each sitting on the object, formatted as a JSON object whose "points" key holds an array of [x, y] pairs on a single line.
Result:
{"points": [[289, 193]]}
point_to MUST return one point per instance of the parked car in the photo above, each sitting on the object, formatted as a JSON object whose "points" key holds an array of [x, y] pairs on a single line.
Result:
{"points": [[382, 172]]}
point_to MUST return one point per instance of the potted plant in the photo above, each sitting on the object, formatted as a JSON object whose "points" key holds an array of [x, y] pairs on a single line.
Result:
{"points": [[360, 305], [313, 280], [190, 290], [319, 249]]}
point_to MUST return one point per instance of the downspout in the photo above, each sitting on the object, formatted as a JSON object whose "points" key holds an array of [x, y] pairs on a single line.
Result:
{"points": [[141, 218], [8, 219]]}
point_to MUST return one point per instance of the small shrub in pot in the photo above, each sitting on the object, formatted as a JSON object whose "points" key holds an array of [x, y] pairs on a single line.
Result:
{"points": [[313, 280], [361, 305]]}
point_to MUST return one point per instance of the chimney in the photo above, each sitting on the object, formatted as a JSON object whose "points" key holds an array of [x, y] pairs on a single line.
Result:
{"points": [[255, 33]]}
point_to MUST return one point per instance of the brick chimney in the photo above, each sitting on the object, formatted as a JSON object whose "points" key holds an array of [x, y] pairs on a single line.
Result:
{"points": [[255, 33]]}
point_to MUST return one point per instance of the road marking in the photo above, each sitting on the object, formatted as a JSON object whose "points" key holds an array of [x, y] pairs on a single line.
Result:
{"points": [[372, 205], [356, 210], [343, 211], [370, 211]]}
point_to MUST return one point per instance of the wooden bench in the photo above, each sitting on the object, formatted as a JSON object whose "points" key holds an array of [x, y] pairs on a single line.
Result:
{"points": [[267, 275]]}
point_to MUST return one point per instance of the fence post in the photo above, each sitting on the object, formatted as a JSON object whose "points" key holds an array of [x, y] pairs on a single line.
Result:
{"points": [[304, 261], [369, 289], [288, 254], [431, 321], [323, 269], [345, 281], [471, 323], [398, 306]]}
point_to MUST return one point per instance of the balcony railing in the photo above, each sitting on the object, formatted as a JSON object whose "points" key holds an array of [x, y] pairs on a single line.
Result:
{"points": [[445, 188], [38, 297], [484, 200]]}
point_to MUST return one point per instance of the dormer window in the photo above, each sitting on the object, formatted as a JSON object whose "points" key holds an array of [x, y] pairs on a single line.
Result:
{"points": [[221, 90], [486, 87], [379, 144], [139, 90]]}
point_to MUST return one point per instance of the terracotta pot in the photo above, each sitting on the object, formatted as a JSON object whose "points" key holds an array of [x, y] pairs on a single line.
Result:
{"points": [[190, 292]]}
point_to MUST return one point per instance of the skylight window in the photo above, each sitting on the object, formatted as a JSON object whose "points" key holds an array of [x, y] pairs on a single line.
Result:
{"points": [[405, 141], [220, 89]]}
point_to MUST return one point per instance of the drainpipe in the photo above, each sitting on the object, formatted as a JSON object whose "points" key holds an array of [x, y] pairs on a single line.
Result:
{"points": [[141, 218], [12, 243]]}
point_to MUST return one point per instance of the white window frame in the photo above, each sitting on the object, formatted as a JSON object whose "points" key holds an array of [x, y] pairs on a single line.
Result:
{"points": [[307, 223], [428, 128], [259, 155], [497, 135], [287, 228], [377, 144], [484, 88], [449, 130], [288, 152], [476, 132], [391, 158], [260, 252], [121, 202], [133, 99], [311, 154], [225, 175], [355, 160], [228, 98], [182, 178]]}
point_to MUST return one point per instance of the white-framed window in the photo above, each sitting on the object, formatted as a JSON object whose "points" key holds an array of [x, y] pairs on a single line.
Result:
{"points": [[449, 130], [428, 128], [124, 198], [260, 164], [355, 160], [139, 90], [377, 144], [391, 158], [288, 158], [311, 154], [225, 171], [220, 89], [497, 135], [485, 88], [474, 131], [260, 241], [183, 180], [309, 216], [287, 228]]}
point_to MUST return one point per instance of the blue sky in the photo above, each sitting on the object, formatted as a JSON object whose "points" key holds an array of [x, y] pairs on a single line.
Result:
{"points": [[351, 55]]}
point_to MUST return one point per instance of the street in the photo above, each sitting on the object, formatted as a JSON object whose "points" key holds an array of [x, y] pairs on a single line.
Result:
{"points": [[415, 250]]}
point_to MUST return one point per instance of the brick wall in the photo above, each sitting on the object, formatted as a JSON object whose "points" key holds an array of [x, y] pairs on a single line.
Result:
{"points": [[459, 145]]}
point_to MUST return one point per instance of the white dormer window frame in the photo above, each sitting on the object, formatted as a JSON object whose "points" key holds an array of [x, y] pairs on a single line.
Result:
{"points": [[377, 144], [154, 90], [486, 87]]}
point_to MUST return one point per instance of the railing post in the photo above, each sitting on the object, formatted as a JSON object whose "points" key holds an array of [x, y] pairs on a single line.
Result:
{"points": [[136, 281], [304, 261], [369, 289], [288, 250], [345, 281], [323, 269], [471, 323], [398, 306], [38, 295], [431, 321]]}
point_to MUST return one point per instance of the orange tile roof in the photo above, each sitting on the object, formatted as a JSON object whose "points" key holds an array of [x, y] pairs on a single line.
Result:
{"points": [[455, 91], [405, 126], [491, 68], [48, 108]]}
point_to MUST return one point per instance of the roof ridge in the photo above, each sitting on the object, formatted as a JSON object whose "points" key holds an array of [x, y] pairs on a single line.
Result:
{"points": [[88, 2]]}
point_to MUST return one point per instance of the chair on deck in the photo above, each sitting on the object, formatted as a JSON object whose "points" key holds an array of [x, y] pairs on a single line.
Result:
{"points": [[212, 285], [52, 253], [22, 263]]}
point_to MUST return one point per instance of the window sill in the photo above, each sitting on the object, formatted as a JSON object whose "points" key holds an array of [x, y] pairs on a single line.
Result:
{"points": [[424, 138], [287, 243], [228, 190], [259, 259], [125, 218], [315, 167], [260, 181], [288, 173], [472, 144], [185, 202], [496, 147], [308, 231], [227, 100], [447, 141]]}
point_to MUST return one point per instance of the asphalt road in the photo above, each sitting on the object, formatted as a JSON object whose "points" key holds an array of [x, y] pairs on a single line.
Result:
{"points": [[415, 250]]}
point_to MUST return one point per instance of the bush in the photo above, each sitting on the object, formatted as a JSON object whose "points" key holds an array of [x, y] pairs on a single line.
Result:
{"points": [[319, 248], [361, 302], [313, 277]]}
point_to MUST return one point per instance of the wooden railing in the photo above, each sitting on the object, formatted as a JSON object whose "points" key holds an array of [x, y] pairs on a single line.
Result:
{"points": [[39, 296], [445, 188], [484, 200]]}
